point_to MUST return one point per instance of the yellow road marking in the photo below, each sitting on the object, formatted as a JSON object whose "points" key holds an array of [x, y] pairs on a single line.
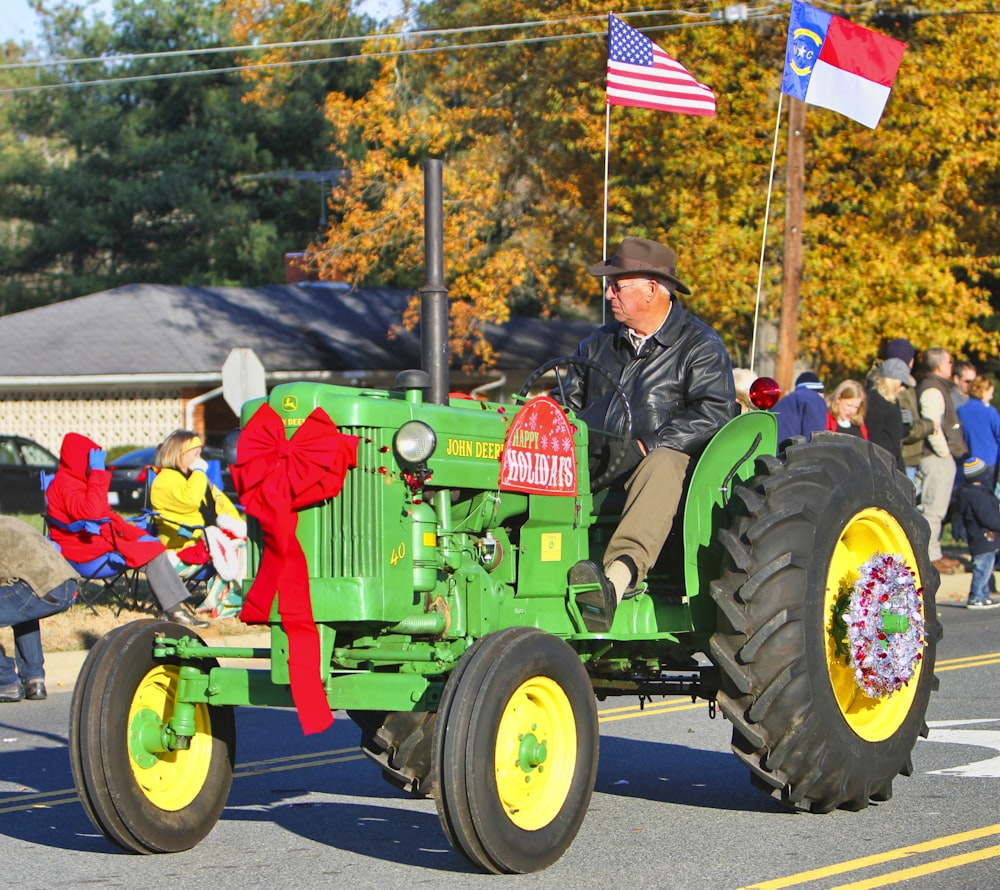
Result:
{"points": [[241, 773], [967, 658], [954, 664], [920, 870], [288, 757], [612, 714], [41, 799], [939, 843], [42, 804]]}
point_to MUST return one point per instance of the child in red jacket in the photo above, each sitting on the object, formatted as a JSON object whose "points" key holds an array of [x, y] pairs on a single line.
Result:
{"points": [[78, 491]]}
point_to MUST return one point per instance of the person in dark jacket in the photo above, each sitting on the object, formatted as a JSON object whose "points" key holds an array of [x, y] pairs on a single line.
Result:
{"points": [[35, 582], [980, 511], [678, 379], [883, 416], [78, 491], [803, 411]]}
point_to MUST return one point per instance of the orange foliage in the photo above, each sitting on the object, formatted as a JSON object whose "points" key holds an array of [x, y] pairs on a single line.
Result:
{"points": [[901, 222]]}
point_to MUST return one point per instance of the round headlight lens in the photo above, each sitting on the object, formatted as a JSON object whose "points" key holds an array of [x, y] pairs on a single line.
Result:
{"points": [[415, 442]]}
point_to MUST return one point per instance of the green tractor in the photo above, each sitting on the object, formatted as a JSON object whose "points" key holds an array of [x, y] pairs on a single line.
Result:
{"points": [[795, 594]]}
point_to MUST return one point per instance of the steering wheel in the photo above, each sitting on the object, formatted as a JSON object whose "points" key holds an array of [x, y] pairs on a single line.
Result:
{"points": [[608, 447]]}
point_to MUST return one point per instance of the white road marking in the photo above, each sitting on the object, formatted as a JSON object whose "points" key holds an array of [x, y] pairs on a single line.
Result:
{"points": [[980, 738]]}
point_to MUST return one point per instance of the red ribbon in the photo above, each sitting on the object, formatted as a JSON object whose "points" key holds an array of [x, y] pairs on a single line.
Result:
{"points": [[276, 476]]}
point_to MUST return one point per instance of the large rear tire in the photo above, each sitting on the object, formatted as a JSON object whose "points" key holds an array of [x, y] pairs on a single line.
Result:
{"points": [[813, 736], [515, 751], [142, 798]]}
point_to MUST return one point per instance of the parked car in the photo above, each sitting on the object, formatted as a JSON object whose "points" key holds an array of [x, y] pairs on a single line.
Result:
{"points": [[129, 480], [130, 477], [21, 464]]}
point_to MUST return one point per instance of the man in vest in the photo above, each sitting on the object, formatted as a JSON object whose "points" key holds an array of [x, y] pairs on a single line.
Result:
{"points": [[942, 447]]}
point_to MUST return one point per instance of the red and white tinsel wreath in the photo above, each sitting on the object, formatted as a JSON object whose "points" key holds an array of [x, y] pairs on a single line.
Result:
{"points": [[885, 626]]}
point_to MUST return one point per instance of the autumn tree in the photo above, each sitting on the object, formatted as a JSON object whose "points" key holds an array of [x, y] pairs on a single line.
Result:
{"points": [[899, 238], [900, 232], [162, 173]]}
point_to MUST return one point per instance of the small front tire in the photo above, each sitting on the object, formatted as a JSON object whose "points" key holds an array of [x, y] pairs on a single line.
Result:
{"points": [[142, 798], [515, 751]]}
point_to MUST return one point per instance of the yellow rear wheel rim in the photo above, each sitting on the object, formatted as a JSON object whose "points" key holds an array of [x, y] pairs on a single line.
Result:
{"points": [[175, 778], [536, 752], [869, 532]]}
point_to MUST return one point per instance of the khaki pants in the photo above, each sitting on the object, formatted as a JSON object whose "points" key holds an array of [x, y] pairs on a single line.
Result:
{"points": [[937, 478], [653, 492]]}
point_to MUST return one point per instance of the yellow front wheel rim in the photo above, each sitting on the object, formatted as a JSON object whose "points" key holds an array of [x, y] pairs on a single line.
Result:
{"points": [[536, 752], [869, 532], [170, 780]]}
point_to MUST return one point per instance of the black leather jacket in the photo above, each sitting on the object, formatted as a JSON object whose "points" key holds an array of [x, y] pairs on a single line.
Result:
{"points": [[680, 386]]}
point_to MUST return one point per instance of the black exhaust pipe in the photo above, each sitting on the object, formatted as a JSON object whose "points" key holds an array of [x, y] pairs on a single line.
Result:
{"points": [[434, 294]]}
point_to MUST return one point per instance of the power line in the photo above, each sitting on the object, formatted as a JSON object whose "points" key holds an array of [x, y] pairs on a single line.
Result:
{"points": [[291, 44], [730, 15], [708, 18]]}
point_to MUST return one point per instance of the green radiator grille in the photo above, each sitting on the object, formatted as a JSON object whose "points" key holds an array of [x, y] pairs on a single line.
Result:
{"points": [[356, 515]]}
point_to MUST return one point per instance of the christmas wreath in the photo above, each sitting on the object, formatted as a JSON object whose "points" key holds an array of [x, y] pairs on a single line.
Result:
{"points": [[881, 614]]}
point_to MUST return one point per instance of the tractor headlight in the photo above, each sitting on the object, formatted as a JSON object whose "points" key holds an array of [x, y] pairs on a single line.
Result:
{"points": [[415, 442]]}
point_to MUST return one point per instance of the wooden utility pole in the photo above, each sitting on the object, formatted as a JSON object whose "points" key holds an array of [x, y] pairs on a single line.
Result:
{"points": [[788, 329]]}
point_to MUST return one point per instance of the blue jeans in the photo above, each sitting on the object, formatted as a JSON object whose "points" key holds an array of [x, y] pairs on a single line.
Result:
{"points": [[982, 569], [20, 609]]}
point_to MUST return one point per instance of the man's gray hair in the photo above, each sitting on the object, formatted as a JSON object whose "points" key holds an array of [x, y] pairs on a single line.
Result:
{"points": [[664, 287], [935, 357]]}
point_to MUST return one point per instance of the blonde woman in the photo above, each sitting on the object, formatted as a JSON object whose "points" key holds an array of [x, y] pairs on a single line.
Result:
{"points": [[846, 409], [883, 416], [190, 509]]}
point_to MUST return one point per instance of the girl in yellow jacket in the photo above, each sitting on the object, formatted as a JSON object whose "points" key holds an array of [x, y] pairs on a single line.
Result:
{"points": [[190, 508]]}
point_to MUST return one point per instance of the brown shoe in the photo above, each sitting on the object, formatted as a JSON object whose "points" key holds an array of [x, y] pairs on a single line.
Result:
{"points": [[954, 563], [597, 603], [943, 567]]}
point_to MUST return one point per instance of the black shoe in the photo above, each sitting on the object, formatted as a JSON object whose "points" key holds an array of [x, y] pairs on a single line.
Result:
{"points": [[34, 690], [12, 691], [597, 605], [182, 614]]}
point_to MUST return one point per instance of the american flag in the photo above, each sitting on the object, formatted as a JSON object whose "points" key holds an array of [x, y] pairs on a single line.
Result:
{"points": [[642, 75]]}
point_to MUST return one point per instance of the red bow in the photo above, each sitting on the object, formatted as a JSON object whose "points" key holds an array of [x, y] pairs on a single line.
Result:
{"points": [[275, 476]]}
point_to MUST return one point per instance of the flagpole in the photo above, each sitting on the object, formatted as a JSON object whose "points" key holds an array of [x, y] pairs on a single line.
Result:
{"points": [[763, 242], [607, 167]]}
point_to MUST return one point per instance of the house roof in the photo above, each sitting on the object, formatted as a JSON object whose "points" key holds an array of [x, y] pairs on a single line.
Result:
{"points": [[187, 332]]}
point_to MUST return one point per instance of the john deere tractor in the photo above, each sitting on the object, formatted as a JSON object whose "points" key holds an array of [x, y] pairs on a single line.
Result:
{"points": [[424, 589]]}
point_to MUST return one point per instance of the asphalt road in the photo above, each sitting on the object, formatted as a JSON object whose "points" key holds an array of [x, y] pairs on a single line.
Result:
{"points": [[672, 808]]}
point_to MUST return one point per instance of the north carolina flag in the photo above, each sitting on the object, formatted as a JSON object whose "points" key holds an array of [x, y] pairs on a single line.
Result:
{"points": [[836, 64], [642, 75]]}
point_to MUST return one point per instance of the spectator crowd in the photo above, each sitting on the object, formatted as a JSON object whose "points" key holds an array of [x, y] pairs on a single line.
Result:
{"points": [[941, 429]]}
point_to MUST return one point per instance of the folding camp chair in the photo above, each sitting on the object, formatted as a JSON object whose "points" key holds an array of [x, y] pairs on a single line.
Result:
{"points": [[107, 578], [195, 575]]}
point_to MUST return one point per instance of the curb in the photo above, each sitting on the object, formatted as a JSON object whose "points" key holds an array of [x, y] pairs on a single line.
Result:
{"points": [[954, 589]]}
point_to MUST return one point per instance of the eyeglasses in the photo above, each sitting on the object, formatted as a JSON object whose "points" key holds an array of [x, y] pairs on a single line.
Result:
{"points": [[617, 288]]}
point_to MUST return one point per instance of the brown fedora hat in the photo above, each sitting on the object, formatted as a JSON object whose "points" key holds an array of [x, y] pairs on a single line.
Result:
{"points": [[638, 256]]}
